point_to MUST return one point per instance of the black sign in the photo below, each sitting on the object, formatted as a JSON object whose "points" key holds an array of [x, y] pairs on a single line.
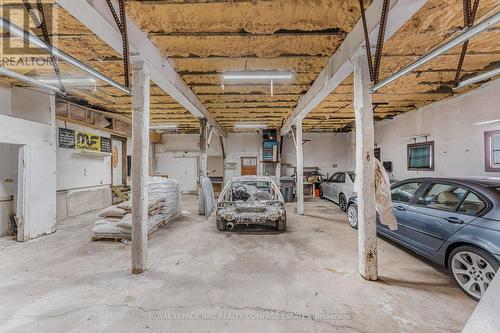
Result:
{"points": [[66, 138], [105, 145]]}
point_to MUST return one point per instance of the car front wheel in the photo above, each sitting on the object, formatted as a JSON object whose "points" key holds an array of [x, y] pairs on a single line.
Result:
{"points": [[352, 216], [472, 269]]}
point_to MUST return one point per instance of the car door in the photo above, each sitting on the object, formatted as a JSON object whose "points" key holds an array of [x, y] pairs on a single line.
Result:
{"points": [[401, 195], [329, 187], [434, 216], [338, 185]]}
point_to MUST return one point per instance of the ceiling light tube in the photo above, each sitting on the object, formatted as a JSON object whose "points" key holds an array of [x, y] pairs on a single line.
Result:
{"points": [[463, 36], [250, 126], [256, 76], [478, 78], [71, 82], [161, 126], [27, 79], [488, 122], [29, 37]]}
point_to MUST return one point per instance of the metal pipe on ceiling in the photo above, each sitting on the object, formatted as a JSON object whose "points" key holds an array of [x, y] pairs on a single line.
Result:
{"points": [[463, 36], [27, 79], [478, 78], [29, 37]]}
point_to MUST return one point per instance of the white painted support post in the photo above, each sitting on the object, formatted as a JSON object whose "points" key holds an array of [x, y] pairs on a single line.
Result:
{"points": [[278, 160], [203, 164], [365, 165], [300, 167], [140, 165]]}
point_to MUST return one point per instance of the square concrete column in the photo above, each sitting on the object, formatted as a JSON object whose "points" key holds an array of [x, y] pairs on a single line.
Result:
{"points": [[140, 165], [365, 168], [300, 167]]}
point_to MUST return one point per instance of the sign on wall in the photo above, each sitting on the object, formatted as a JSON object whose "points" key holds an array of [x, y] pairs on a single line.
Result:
{"points": [[72, 139], [66, 138], [88, 141]]}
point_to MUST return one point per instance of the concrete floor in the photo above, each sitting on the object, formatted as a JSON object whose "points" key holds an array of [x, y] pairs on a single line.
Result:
{"points": [[304, 280]]}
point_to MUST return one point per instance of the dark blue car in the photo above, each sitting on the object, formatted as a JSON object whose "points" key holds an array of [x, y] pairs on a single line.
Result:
{"points": [[453, 222]]}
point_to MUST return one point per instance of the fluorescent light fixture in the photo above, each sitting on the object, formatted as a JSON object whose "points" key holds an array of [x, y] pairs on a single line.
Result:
{"points": [[478, 78], [29, 37], [249, 126], [257, 76], [163, 126], [77, 82], [488, 122], [27, 79], [463, 36]]}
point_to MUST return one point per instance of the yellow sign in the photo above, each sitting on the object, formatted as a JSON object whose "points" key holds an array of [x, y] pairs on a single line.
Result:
{"points": [[88, 141]]}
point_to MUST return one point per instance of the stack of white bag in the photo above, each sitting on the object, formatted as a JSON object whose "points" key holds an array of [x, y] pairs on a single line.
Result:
{"points": [[164, 198]]}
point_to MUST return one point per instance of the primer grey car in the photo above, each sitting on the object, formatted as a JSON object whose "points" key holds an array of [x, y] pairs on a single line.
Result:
{"points": [[251, 200]]}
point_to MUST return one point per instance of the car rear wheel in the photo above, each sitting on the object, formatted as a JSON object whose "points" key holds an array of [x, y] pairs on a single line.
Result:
{"points": [[472, 269], [352, 216], [342, 202], [221, 225]]}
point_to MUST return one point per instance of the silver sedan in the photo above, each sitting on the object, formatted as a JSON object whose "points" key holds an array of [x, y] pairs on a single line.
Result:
{"points": [[339, 188]]}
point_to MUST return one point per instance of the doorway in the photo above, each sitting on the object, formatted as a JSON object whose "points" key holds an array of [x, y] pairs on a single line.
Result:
{"points": [[12, 190], [249, 166], [118, 161]]}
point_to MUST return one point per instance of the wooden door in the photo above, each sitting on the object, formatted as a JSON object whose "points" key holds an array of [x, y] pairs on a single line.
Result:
{"points": [[249, 166]]}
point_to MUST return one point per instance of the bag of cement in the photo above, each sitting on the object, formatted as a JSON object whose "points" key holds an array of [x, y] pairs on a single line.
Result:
{"points": [[125, 225], [109, 230], [113, 211], [126, 205]]}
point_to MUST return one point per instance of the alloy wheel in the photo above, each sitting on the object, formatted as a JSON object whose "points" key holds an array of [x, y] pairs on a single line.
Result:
{"points": [[472, 272], [352, 216]]}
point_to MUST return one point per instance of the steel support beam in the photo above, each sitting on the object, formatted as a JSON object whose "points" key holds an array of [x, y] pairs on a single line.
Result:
{"points": [[95, 15], [53, 51], [339, 66], [365, 168], [140, 165], [463, 36]]}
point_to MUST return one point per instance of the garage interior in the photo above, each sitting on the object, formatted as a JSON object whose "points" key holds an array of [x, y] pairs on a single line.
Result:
{"points": [[110, 105]]}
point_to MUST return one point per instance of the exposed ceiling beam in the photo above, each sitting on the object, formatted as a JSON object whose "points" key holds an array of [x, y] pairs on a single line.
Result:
{"points": [[95, 15], [339, 66]]}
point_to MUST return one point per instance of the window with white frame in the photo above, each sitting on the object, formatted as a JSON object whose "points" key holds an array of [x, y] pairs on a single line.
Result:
{"points": [[492, 151]]}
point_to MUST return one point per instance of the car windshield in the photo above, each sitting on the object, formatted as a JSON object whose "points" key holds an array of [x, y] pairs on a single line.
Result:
{"points": [[250, 191], [352, 175]]}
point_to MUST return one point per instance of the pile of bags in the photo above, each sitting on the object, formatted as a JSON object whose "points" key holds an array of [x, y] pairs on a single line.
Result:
{"points": [[164, 205]]}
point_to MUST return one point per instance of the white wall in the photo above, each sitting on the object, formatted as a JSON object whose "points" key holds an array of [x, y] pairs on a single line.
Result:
{"points": [[38, 138], [242, 145], [75, 171], [324, 150], [177, 158], [459, 145], [327, 151]]}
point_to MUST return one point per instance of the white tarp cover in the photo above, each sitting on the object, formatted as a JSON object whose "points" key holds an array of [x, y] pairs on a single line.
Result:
{"points": [[383, 197], [206, 198]]}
